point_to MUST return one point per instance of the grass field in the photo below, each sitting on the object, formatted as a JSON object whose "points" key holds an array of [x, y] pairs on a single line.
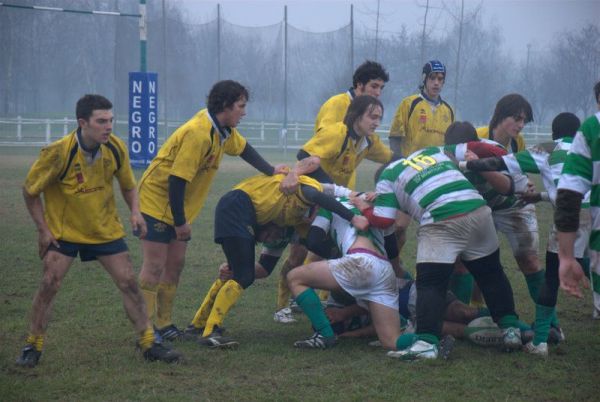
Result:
{"points": [[90, 354]]}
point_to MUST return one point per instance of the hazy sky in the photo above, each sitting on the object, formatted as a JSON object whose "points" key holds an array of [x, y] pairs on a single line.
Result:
{"points": [[522, 21]]}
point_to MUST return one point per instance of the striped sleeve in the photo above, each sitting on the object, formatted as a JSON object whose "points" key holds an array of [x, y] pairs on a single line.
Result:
{"points": [[578, 168]]}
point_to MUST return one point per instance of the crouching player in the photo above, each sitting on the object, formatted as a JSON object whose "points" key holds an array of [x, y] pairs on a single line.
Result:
{"points": [[79, 216], [363, 271], [256, 202]]}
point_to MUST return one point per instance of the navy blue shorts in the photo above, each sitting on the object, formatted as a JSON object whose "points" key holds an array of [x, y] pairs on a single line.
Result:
{"points": [[90, 252], [235, 216], [159, 231]]}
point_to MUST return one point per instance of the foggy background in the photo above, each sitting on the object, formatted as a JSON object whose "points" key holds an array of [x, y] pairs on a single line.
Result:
{"points": [[49, 59]]}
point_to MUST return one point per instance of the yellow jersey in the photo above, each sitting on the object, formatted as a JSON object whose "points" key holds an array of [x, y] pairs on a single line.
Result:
{"points": [[273, 206], [334, 109], [193, 152], [421, 124], [79, 202], [340, 154], [514, 145]]}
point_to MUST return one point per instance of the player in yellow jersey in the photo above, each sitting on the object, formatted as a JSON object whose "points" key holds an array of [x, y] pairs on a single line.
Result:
{"points": [[240, 217], [174, 187], [342, 146], [369, 79], [422, 119], [78, 215]]}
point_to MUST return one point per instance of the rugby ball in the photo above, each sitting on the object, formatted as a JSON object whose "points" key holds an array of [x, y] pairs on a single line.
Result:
{"points": [[483, 331]]}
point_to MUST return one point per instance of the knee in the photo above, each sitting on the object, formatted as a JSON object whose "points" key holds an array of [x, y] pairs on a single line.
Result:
{"points": [[50, 283], [151, 270], [293, 278], [128, 284], [528, 263]]}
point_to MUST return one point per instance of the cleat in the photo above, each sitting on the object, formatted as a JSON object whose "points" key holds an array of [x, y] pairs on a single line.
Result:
{"points": [[29, 357], [316, 341], [284, 316], [556, 335], [170, 333], [511, 339], [540, 350], [445, 347], [160, 352], [295, 307], [527, 336], [192, 333], [217, 341], [417, 351]]}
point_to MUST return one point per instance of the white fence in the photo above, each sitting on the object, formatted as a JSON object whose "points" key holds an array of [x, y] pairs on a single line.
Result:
{"points": [[39, 132]]}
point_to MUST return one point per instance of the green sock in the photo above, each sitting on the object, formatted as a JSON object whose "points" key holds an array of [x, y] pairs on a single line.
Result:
{"points": [[543, 318], [429, 338], [508, 321], [554, 321], [462, 286], [404, 341], [311, 305], [534, 283]]}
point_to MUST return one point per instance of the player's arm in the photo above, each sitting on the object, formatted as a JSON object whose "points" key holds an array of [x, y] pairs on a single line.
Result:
{"points": [[314, 196], [318, 173], [305, 166], [253, 158], [566, 219], [35, 207], [138, 224], [183, 229]]}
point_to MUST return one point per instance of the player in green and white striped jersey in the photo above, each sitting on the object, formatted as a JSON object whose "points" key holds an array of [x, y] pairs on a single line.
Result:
{"points": [[453, 222], [580, 175], [363, 271], [547, 160]]}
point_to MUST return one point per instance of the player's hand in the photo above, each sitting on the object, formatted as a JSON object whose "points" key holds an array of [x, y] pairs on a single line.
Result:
{"points": [[360, 222], [334, 314], [470, 156], [225, 273], [370, 196], [138, 224], [572, 277], [281, 168], [529, 197], [358, 201], [530, 187], [45, 238], [289, 185], [183, 232]]}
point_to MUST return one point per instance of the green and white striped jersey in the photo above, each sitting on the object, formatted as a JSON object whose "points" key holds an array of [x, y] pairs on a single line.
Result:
{"points": [[428, 186], [342, 231], [581, 171], [545, 159]]}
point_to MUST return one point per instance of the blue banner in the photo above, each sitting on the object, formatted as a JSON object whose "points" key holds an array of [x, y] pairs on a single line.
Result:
{"points": [[143, 116]]}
